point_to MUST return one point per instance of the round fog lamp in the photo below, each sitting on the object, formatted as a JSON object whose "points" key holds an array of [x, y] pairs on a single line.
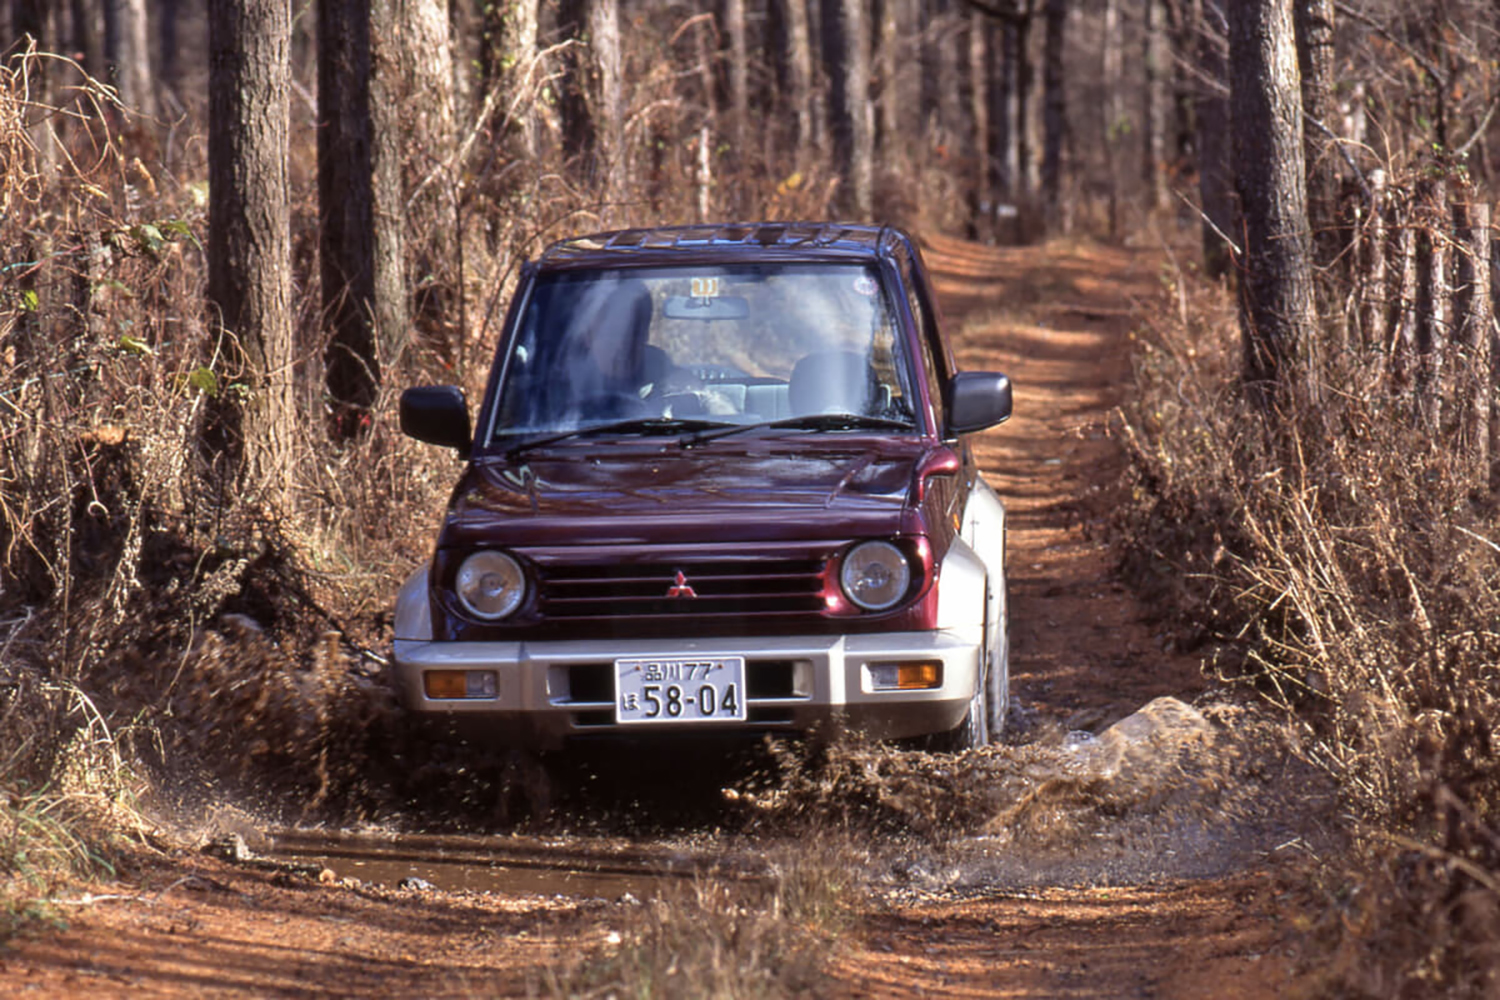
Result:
{"points": [[490, 585], [875, 575]]}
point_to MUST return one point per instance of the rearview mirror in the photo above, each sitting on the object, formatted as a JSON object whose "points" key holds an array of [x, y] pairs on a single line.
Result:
{"points": [[716, 307], [437, 414], [977, 400]]}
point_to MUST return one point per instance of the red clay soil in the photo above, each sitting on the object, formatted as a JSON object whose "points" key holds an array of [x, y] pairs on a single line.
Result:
{"points": [[1057, 319]]}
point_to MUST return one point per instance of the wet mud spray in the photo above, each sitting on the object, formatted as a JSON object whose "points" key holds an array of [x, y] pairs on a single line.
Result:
{"points": [[1169, 791]]}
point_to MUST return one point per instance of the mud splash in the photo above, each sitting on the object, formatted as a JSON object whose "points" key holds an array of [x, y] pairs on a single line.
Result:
{"points": [[1167, 792]]}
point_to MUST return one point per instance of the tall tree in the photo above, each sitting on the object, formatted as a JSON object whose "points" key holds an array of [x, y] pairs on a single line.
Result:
{"points": [[359, 206], [1054, 113], [249, 243], [170, 71], [1215, 179], [979, 66], [428, 126], [593, 102], [1153, 129], [87, 38], [609, 95], [795, 67], [506, 57], [510, 48], [1313, 20], [1276, 297], [1113, 118], [129, 55], [736, 58], [846, 56]]}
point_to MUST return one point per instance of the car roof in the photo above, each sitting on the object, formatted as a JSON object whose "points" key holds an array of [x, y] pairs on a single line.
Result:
{"points": [[720, 242]]}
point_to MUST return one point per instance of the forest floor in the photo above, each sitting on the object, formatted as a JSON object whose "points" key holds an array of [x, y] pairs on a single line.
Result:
{"points": [[1084, 654]]}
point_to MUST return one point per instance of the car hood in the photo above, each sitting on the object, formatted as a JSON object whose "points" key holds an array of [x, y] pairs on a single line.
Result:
{"points": [[665, 494]]}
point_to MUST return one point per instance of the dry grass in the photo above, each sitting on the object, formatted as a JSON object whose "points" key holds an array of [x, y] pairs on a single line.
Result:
{"points": [[722, 938], [1340, 558]]}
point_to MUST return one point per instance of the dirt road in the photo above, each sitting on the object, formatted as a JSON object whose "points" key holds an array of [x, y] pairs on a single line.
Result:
{"points": [[1083, 656]]}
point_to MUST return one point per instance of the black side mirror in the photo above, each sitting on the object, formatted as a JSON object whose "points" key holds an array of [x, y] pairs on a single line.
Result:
{"points": [[977, 400], [437, 414]]}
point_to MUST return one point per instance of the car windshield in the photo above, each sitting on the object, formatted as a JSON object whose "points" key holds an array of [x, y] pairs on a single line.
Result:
{"points": [[731, 345]]}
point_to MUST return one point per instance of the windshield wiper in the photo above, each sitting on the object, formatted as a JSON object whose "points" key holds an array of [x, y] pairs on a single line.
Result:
{"points": [[633, 425], [809, 422]]}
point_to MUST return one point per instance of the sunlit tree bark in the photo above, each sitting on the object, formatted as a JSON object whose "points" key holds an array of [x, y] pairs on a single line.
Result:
{"points": [[249, 245], [846, 57], [1215, 178], [1276, 295]]}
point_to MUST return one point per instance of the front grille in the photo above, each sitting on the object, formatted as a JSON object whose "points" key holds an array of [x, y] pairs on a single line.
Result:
{"points": [[738, 587]]}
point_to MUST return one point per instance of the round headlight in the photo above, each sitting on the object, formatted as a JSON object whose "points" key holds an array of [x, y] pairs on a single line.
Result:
{"points": [[875, 575], [490, 585]]}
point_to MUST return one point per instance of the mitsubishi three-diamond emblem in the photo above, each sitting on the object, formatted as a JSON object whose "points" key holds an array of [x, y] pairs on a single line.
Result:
{"points": [[681, 588]]}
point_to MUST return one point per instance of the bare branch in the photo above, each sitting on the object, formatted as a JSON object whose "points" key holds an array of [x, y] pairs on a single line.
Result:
{"points": [[1427, 65], [1339, 143], [1479, 131]]}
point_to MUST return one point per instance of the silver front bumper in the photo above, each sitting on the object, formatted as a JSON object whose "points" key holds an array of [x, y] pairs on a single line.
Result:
{"points": [[549, 692]]}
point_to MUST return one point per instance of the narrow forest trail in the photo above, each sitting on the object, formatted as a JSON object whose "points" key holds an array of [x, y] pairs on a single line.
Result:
{"points": [[1057, 318], [1058, 321]]}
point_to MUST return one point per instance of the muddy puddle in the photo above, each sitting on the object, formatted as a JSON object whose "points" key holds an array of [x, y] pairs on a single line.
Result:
{"points": [[513, 865], [1167, 792]]}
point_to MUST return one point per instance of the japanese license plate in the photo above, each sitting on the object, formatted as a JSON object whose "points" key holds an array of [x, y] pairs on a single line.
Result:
{"points": [[680, 689]]}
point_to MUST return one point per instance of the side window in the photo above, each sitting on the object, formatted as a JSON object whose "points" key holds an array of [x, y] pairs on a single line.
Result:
{"points": [[932, 366]]}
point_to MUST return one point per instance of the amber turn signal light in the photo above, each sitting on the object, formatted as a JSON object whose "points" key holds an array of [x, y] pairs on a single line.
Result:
{"points": [[459, 683], [912, 676], [927, 674]]}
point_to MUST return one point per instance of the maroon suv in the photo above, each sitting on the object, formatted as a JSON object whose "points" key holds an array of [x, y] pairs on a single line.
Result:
{"points": [[719, 481]]}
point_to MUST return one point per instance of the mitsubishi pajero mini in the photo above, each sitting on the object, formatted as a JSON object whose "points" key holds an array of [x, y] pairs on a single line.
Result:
{"points": [[719, 481]]}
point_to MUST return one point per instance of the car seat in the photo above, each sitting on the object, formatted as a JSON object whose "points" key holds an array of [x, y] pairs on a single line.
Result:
{"points": [[831, 382]]}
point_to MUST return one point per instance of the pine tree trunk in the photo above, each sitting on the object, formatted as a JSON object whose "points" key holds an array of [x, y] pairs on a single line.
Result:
{"points": [[846, 57], [1153, 138], [1025, 160], [1315, 62], [1475, 311], [131, 56], [428, 143], [362, 280], [506, 58], [87, 36], [604, 43], [1276, 296], [388, 209], [797, 57], [1435, 227], [736, 56], [1005, 124], [1054, 114], [1113, 118], [573, 84], [979, 114], [1215, 179], [170, 74], [1373, 269], [249, 247], [593, 98]]}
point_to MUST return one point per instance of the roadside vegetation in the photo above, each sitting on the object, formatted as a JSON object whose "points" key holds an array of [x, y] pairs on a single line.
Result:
{"points": [[1340, 559]]}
